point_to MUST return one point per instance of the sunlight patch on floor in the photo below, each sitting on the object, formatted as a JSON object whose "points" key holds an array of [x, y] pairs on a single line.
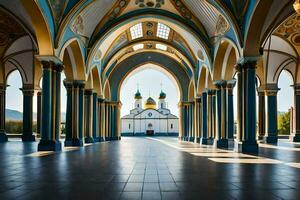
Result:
{"points": [[40, 154], [226, 156], [279, 147], [258, 160]]}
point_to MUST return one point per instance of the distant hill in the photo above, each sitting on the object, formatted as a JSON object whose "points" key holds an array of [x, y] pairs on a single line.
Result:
{"points": [[14, 115]]}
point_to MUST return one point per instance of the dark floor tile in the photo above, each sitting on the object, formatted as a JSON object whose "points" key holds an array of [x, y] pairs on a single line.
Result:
{"points": [[151, 187], [151, 196], [131, 196], [133, 187]]}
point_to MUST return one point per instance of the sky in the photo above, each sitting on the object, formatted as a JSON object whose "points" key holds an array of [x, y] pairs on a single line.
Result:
{"points": [[150, 80]]}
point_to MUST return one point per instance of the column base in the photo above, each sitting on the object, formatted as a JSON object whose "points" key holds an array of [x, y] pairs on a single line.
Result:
{"points": [[198, 140], [225, 143], [180, 138], [261, 137], [28, 138], [247, 147], [96, 139], [3, 137], [89, 140], [296, 138], [74, 142], [207, 141], [115, 138], [49, 145], [270, 139]]}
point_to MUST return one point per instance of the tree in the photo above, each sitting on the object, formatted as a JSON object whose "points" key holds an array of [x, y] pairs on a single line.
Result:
{"points": [[284, 123]]}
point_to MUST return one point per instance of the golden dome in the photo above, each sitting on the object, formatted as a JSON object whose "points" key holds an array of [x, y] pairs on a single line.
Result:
{"points": [[150, 103]]}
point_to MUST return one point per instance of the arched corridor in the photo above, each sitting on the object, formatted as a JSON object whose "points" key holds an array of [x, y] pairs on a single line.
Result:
{"points": [[227, 59]]}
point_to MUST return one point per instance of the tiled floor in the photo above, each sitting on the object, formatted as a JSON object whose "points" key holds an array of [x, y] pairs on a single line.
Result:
{"points": [[149, 168]]}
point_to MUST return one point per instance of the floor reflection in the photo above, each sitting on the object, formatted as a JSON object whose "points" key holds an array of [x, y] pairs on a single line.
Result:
{"points": [[148, 168]]}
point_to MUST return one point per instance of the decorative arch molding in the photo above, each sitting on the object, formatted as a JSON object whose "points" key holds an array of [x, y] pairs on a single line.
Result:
{"points": [[192, 90], [123, 69], [226, 57], [285, 66], [195, 42], [124, 52], [42, 27], [203, 37], [72, 54], [16, 67], [202, 80]]}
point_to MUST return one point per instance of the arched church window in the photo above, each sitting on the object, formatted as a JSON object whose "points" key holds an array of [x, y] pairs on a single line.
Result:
{"points": [[129, 126], [171, 126]]}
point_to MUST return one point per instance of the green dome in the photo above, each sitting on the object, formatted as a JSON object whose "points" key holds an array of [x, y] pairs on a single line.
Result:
{"points": [[162, 95], [138, 95]]}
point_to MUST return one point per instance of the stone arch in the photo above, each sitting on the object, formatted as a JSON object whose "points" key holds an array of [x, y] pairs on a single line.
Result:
{"points": [[89, 84], [73, 59], [107, 91], [191, 90], [194, 41], [42, 30], [226, 58], [124, 68], [201, 80], [96, 81]]}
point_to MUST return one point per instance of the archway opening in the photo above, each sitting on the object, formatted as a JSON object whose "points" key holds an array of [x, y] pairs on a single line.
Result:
{"points": [[14, 104], [285, 101], [149, 97]]}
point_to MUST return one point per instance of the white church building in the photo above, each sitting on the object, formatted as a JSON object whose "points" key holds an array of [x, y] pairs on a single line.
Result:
{"points": [[150, 119]]}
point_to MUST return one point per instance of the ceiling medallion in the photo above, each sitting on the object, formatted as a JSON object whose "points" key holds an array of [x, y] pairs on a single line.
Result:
{"points": [[182, 9], [222, 26], [150, 3], [291, 26], [149, 46], [296, 39], [78, 26], [296, 6]]}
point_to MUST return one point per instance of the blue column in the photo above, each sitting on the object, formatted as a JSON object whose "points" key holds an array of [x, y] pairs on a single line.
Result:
{"points": [[192, 131], [101, 119], [261, 114], [199, 119], [230, 113], [88, 116], [210, 120], [3, 136], [27, 135], [218, 109], [69, 113], [50, 107], [39, 114], [249, 143], [223, 139], [271, 114], [95, 117], [81, 85], [77, 114], [213, 113], [186, 123], [46, 143], [204, 135], [296, 138], [57, 111]]}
